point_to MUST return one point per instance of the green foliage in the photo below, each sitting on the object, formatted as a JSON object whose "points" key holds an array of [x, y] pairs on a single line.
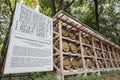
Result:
{"points": [[30, 3], [13, 3], [109, 17], [5, 13], [34, 76], [44, 7], [92, 77], [107, 75], [83, 10], [47, 78]]}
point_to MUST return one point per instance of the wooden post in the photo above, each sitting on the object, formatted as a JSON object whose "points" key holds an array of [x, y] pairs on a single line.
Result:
{"points": [[82, 52], [95, 56], [110, 56], [6, 41], [61, 51], [118, 57], [103, 53], [114, 56]]}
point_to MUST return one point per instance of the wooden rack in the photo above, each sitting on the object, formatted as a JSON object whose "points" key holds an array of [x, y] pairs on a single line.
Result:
{"points": [[78, 49]]}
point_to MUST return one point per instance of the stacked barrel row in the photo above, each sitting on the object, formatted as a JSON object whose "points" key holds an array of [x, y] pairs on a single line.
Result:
{"points": [[71, 49]]}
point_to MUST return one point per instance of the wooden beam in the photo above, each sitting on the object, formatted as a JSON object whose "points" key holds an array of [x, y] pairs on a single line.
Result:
{"points": [[61, 50], [110, 56], [82, 51], [114, 56], [103, 53], [95, 55]]}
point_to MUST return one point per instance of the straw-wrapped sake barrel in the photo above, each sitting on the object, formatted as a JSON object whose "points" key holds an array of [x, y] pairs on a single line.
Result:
{"points": [[100, 63], [114, 63], [78, 49], [65, 46], [65, 32], [109, 56], [112, 56], [86, 63], [66, 63], [104, 47], [108, 64], [97, 44], [73, 47], [72, 35], [80, 63], [86, 40], [101, 54], [106, 55], [75, 63], [103, 64], [98, 54], [88, 51], [85, 50], [90, 63]]}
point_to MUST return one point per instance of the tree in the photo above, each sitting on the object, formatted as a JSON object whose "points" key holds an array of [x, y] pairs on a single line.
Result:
{"points": [[54, 6], [5, 13], [99, 15], [96, 2]]}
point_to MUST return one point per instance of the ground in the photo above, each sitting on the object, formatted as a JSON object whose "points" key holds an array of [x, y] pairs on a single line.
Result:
{"points": [[107, 75]]}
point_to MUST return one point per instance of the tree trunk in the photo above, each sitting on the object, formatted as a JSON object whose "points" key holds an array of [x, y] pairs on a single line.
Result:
{"points": [[6, 41], [60, 4], [52, 2], [68, 5], [96, 14]]}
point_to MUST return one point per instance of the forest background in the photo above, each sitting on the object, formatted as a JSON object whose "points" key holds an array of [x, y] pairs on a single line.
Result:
{"points": [[101, 15]]}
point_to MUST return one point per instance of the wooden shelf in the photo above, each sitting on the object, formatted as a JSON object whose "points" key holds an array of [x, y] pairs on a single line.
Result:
{"points": [[67, 72], [90, 57], [101, 50], [69, 39], [72, 54], [105, 51], [100, 58], [107, 59], [98, 49], [87, 45]]}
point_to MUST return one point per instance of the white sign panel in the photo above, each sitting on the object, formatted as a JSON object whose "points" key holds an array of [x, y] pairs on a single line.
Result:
{"points": [[31, 42]]}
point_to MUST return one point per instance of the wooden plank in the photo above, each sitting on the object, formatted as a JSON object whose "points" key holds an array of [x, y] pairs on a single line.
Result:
{"points": [[110, 56], [57, 59], [56, 68], [61, 50], [55, 37], [95, 55], [55, 42], [56, 49], [103, 53], [82, 52], [55, 33], [115, 56]]}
